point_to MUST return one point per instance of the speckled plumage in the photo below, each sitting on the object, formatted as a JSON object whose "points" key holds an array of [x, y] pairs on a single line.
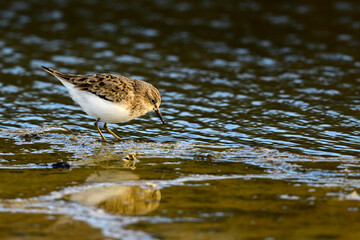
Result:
{"points": [[110, 98]]}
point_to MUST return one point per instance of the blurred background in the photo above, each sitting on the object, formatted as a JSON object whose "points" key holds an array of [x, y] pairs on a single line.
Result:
{"points": [[279, 74]]}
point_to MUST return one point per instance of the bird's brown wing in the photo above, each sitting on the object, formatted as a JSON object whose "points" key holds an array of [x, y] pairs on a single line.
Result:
{"points": [[111, 87]]}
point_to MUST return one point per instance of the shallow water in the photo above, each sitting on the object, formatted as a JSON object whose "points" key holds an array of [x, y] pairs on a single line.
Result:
{"points": [[172, 190], [246, 87]]}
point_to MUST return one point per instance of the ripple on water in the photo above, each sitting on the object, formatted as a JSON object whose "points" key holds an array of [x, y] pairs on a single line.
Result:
{"points": [[240, 75], [67, 59]]}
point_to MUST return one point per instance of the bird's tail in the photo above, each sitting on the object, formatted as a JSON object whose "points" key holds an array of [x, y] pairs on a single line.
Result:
{"points": [[58, 74], [49, 70]]}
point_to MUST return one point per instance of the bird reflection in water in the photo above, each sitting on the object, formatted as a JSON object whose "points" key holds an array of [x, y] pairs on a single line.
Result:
{"points": [[120, 199]]}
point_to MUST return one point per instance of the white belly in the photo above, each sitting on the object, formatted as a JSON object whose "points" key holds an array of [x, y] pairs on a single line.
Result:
{"points": [[97, 107]]}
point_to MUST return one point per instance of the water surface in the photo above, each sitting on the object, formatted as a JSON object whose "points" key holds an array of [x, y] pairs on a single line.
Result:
{"points": [[262, 105]]}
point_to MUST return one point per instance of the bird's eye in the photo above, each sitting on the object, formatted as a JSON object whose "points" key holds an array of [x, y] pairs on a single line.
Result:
{"points": [[153, 101]]}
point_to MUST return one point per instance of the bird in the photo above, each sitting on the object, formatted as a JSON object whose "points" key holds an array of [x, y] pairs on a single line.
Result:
{"points": [[110, 98]]}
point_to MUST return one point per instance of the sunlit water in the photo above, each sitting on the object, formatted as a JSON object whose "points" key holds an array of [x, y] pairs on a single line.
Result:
{"points": [[234, 76], [214, 191]]}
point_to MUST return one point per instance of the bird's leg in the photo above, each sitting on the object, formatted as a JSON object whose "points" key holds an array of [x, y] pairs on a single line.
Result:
{"points": [[111, 132], [98, 129]]}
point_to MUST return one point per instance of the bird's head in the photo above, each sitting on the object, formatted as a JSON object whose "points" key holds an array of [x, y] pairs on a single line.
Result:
{"points": [[154, 100]]}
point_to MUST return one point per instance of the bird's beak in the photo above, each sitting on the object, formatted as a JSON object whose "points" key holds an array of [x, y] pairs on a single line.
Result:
{"points": [[159, 115]]}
